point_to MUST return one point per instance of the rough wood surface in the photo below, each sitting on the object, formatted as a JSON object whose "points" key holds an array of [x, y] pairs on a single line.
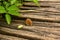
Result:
{"points": [[46, 22], [6, 37]]}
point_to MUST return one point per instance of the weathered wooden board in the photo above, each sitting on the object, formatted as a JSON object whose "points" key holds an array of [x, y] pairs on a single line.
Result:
{"points": [[48, 11], [42, 32], [48, 0], [46, 22], [6, 37]]}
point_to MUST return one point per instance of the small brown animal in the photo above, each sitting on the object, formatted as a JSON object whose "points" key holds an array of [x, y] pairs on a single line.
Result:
{"points": [[28, 22]]}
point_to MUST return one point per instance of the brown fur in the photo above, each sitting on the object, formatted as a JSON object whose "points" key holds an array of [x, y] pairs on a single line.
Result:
{"points": [[28, 22]]}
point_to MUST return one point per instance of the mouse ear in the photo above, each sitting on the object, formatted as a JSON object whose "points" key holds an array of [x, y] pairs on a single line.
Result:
{"points": [[28, 22]]}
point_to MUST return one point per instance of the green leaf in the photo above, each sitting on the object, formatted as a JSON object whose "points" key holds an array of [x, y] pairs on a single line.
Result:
{"points": [[36, 2], [15, 13], [6, 4], [18, 4], [0, 0], [13, 7], [27, 0], [12, 1], [2, 9], [8, 18], [20, 26]]}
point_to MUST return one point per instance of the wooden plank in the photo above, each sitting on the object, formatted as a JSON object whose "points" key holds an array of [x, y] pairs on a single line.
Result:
{"points": [[46, 22], [45, 17], [47, 0], [28, 35], [38, 10], [6, 37], [32, 32], [49, 12], [44, 3], [35, 23]]}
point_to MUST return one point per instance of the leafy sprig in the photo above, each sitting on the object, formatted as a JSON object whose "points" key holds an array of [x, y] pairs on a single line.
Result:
{"points": [[9, 7]]}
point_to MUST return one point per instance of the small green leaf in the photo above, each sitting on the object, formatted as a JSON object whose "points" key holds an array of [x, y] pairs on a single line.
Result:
{"points": [[13, 7], [36, 2], [6, 4], [20, 26], [2, 9], [8, 18], [13, 1], [28, 0], [0, 0], [15, 13], [18, 4]]}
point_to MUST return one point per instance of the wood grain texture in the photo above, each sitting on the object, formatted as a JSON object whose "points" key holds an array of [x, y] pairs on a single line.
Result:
{"points": [[32, 32], [45, 20], [50, 11], [48, 0], [5, 37]]}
